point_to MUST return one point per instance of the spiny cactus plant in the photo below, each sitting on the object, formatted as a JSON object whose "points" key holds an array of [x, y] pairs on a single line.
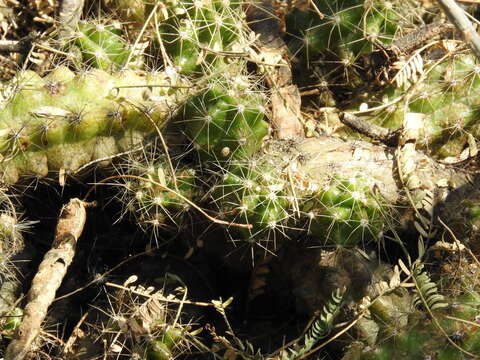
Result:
{"points": [[102, 46], [143, 323], [345, 212], [63, 121], [10, 321], [197, 35], [11, 243], [444, 98], [338, 32], [197, 32], [225, 121], [11, 238], [163, 346], [159, 199], [429, 324], [421, 338], [254, 193]]}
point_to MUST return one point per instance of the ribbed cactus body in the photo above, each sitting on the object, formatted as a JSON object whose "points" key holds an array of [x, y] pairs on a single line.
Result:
{"points": [[253, 194], [197, 34], [226, 121], [156, 198], [165, 345], [341, 34], [447, 103], [63, 121], [405, 331], [345, 212], [102, 46]]}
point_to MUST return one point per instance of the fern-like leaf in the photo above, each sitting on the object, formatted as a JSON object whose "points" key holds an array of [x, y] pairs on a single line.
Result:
{"points": [[321, 327], [426, 290], [409, 71]]}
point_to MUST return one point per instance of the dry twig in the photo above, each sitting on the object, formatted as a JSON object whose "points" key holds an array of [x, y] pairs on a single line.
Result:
{"points": [[49, 277], [384, 135], [458, 18], [68, 17]]}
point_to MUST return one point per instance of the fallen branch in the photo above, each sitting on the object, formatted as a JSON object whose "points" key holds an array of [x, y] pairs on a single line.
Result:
{"points": [[68, 17], [49, 277], [387, 136], [458, 18]]}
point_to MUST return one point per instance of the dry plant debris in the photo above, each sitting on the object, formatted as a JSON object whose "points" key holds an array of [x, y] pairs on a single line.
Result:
{"points": [[48, 278]]}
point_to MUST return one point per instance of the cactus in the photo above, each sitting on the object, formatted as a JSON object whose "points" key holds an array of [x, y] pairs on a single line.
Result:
{"points": [[420, 339], [10, 321], [345, 213], [102, 46], [254, 193], [225, 121], [158, 199], [196, 32], [65, 121], [163, 346], [446, 102], [345, 31], [405, 328]]}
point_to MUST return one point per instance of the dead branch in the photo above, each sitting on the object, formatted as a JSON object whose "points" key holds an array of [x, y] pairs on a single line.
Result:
{"points": [[387, 136], [68, 17], [458, 18], [49, 277]]}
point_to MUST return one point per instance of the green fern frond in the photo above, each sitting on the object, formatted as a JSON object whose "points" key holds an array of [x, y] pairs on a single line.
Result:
{"points": [[321, 327], [426, 290]]}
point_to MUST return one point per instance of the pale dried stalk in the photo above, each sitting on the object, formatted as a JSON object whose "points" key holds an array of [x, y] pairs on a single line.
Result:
{"points": [[48, 278], [68, 17], [458, 18]]}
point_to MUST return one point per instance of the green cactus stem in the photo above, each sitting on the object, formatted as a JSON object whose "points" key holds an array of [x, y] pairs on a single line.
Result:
{"points": [[64, 121]]}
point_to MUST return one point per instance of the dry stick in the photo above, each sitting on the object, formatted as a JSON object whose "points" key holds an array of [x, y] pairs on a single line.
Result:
{"points": [[158, 296], [458, 18], [142, 30], [75, 335], [49, 277], [68, 17], [386, 136], [11, 46]]}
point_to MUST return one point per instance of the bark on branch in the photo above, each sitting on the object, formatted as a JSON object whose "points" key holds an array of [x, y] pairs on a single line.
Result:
{"points": [[48, 278], [458, 18]]}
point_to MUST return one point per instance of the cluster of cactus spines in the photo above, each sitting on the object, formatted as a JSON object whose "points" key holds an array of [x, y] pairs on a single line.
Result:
{"points": [[11, 243], [64, 121], [225, 121], [157, 198], [103, 46], [11, 238], [254, 193], [196, 33], [345, 31], [446, 101], [345, 212]]}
